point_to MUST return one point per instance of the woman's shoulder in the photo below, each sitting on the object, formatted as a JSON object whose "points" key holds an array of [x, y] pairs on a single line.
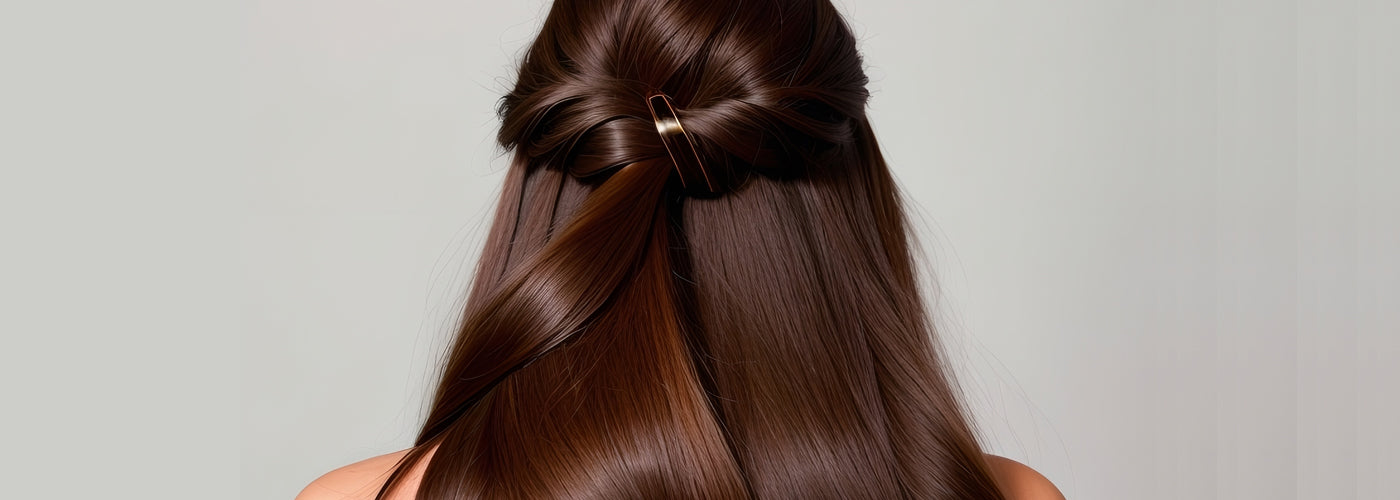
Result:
{"points": [[1020, 482], [362, 480]]}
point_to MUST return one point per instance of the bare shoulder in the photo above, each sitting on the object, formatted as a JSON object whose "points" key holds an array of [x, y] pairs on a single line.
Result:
{"points": [[1020, 482], [362, 480]]}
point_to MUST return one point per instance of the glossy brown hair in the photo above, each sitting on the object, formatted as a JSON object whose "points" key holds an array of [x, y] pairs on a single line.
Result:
{"points": [[623, 340]]}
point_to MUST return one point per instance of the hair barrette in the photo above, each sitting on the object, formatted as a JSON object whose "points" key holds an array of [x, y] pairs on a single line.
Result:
{"points": [[694, 178]]}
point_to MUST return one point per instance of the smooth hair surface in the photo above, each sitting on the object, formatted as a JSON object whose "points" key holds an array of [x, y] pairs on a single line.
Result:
{"points": [[623, 341]]}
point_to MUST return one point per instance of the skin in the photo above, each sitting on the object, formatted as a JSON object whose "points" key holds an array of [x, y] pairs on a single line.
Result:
{"points": [[361, 480]]}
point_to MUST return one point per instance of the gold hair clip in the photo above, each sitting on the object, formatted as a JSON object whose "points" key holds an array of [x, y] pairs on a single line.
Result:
{"points": [[694, 178]]}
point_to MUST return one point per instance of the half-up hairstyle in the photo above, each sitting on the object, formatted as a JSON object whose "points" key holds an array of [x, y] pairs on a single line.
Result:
{"points": [[622, 340]]}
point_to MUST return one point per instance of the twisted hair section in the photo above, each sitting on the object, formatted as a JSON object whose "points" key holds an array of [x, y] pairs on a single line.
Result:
{"points": [[624, 340]]}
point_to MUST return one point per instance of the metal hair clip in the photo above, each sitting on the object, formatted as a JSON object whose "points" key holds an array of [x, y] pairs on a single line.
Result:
{"points": [[694, 178]]}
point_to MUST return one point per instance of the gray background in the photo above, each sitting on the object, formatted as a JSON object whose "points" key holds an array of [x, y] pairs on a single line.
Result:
{"points": [[1165, 233]]}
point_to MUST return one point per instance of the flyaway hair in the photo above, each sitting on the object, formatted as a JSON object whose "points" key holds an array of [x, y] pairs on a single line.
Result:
{"points": [[622, 340]]}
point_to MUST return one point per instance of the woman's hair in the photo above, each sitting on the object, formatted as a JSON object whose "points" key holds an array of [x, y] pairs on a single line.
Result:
{"points": [[624, 340]]}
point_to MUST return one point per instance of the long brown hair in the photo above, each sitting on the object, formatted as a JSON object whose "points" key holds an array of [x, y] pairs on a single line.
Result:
{"points": [[623, 340]]}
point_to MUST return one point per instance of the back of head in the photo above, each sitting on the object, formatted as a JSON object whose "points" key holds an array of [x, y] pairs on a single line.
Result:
{"points": [[628, 335]]}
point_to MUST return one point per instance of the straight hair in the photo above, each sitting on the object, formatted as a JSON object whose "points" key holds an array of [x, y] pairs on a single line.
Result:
{"points": [[621, 339]]}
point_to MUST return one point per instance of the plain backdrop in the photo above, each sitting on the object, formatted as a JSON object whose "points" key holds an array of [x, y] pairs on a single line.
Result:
{"points": [[1165, 233]]}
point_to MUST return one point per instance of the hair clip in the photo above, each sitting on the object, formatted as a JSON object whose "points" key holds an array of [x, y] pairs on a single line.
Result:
{"points": [[694, 178]]}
